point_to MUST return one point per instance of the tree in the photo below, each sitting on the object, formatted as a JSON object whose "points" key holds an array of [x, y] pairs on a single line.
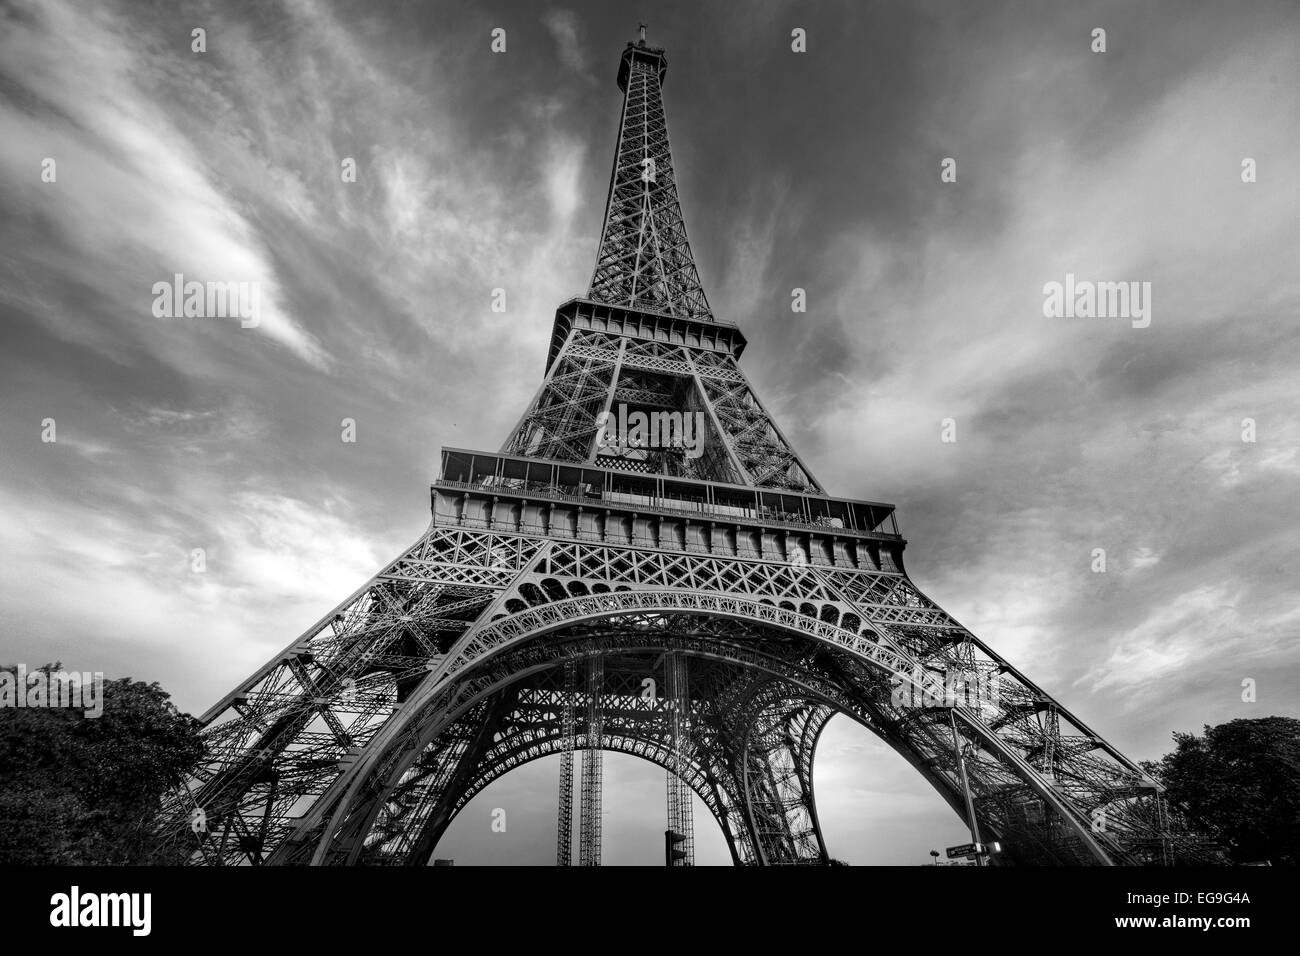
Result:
{"points": [[84, 790], [1243, 778]]}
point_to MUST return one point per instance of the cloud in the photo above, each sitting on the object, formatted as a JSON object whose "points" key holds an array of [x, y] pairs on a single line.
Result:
{"points": [[144, 202], [272, 565], [1173, 638], [566, 31], [1143, 558]]}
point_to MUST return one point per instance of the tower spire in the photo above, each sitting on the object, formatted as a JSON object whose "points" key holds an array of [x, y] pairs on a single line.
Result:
{"points": [[644, 261]]}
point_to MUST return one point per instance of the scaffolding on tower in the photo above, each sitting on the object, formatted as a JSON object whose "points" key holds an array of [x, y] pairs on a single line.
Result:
{"points": [[589, 851], [564, 831], [680, 837]]}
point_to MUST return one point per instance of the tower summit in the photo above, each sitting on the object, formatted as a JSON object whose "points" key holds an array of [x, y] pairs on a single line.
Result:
{"points": [[646, 566], [644, 260]]}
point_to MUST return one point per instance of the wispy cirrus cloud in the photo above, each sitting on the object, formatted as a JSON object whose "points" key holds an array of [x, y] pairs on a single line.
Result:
{"points": [[142, 199]]}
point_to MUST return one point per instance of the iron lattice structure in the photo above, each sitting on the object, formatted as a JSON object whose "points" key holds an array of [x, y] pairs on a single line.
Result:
{"points": [[680, 811], [592, 764], [644, 260], [564, 830], [558, 574]]}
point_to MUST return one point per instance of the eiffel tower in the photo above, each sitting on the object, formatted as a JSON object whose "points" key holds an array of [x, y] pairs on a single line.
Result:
{"points": [[692, 597]]}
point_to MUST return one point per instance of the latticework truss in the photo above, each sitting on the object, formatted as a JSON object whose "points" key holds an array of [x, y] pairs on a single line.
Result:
{"points": [[644, 260], [448, 669], [559, 574], [568, 731], [598, 372], [680, 812], [593, 765]]}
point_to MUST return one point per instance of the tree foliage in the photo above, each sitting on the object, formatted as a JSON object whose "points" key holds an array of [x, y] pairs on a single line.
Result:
{"points": [[84, 791], [1242, 777]]}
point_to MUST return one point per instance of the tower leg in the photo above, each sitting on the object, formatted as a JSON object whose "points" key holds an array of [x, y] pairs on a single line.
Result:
{"points": [[806, 727], [405, 825], [589, 851], [564, 829], [681, 832], [774, 760]]}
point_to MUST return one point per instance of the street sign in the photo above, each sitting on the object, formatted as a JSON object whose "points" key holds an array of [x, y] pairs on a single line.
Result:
{"points": [[964, 849]]}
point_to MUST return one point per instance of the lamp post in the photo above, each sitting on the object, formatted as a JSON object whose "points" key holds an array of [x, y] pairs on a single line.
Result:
{"points": [[965, 785]]}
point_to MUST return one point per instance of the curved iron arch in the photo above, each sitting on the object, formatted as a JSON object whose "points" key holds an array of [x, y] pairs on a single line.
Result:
{"points": [[481, 645], [799, 682]]}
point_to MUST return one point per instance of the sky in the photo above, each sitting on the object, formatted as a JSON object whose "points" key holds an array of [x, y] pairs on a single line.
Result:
{"points": [[818, 170]]}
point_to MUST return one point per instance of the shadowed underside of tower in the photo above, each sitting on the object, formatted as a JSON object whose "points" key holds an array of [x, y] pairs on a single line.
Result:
{"points": [[646, 566]]}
